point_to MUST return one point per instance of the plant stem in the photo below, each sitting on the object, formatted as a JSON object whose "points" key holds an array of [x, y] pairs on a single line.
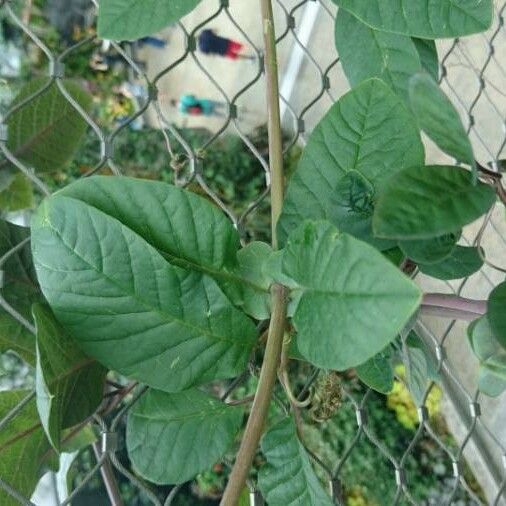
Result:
{"points": [[452, 306], [263, 395], [256, 420]]}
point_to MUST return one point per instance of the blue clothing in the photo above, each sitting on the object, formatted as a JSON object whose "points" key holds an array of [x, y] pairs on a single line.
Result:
{"points": [[210, 43], [153, 41]]}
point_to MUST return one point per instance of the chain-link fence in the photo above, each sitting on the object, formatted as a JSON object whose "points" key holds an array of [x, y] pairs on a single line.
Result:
{"points": [[473, 444]]}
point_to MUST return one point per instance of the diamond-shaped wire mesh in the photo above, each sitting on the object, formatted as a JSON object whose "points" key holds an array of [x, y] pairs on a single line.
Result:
{"points": [[472, 74]]}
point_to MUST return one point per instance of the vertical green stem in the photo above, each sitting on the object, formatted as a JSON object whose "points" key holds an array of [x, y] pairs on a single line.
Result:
{"points": [[256, 421]]}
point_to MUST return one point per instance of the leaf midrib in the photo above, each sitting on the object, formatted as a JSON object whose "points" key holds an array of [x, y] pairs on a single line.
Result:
{"points": [[181, 262], [165, 316], [221, 410]]}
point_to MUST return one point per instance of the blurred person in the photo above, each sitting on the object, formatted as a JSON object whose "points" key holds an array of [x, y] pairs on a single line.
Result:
{"points": [[212, 44], [193, 106]]}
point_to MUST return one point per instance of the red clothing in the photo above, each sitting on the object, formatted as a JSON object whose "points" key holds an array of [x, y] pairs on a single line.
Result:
{"points": [[233, 49]]}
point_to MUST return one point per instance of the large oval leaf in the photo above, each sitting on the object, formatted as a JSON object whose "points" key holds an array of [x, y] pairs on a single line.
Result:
{"points": [[425, 202], [133, 19], [24, 448], [187, 229], [128, 307], [46, 131], [354, 301], [20, 289], [369, 131], [69, 385], [288, 477], [365, 52], [427, 19], [439, 119], [173, 437]]}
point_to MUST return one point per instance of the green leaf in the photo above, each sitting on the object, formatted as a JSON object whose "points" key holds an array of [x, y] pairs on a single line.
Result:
{"points": [[128, 307], [69, 385], [439, 119], [47, 130], [461, 263], [377, 373], [255, 294], [345, 280], [23, 447], [429, 59], [18, 196], [394, 255], [419, 367], [173, 437], [133, 19], [20, 289], [369, 131], [426, 202], [496, 312], [427, 19], [491, 355], [6, 178], [430, 251], [185, 228], [352, 207], [365, 52], [288, 477]]}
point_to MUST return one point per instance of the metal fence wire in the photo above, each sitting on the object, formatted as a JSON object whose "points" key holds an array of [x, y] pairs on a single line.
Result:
{"points": [[471, 73]]}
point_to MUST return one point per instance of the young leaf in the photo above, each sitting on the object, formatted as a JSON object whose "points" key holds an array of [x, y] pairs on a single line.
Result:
{"points": [[365, 52], [439, 119], [492, 357], [47, 130], [347, 281], [429, 59], [69, 385], [496, 312], [426, 202], [18, 195], [23, 447], [369, 131], [427, 19], [133, 19], [255, 290], [185, 228], [288, 477], [430, 251], [419, 367], [461, 263], [352, 207], [173, 437], [377, 373], [128, 307], [20, 289]]}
